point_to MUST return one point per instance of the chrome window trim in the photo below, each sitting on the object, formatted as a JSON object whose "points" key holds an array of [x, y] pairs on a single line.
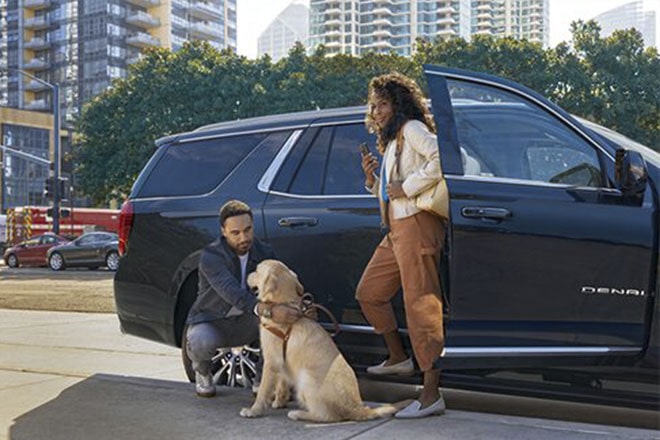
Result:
{"points": [[524, 182], [267, 178], [240, 133], [520, 93], [333, 123], [323, 196]]}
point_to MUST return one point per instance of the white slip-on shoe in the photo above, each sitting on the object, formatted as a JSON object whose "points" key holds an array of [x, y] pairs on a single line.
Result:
{"points": [[415, 411], [402, 368], [204, 385]]}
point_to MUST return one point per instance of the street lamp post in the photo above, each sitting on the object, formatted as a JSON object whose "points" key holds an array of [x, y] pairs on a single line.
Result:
{"points": [[56, 166]]}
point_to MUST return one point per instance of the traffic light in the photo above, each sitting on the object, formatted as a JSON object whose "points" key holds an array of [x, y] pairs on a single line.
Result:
{"points": [[49, 192], [62, 188]]}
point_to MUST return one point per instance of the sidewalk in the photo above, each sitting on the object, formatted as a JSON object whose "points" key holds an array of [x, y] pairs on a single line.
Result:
{"points": [[73, 376]]}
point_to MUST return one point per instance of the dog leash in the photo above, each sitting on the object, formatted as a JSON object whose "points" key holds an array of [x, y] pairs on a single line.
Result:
{"points": [[308, 305]]}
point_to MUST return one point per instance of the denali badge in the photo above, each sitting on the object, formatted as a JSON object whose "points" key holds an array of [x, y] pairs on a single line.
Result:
{"points": [[612, 291]]}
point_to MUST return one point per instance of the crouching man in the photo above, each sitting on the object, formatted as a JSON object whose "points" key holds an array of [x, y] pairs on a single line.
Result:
{"points": [[225, 313]]}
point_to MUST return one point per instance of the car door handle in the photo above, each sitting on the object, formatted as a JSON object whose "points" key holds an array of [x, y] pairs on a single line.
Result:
{"points": [[488, 213], [292, 222]]}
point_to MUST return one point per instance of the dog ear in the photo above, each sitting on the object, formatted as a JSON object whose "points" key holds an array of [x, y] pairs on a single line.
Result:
{"points": [[270, 284]]}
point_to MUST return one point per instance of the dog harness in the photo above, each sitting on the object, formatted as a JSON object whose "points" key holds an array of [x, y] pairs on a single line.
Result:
{"points": [[306, 306]]}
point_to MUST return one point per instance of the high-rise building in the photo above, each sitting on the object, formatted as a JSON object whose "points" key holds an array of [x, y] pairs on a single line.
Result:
{"points": [[629, 15], [82, 45], [359, 26], [522, 19], [291, 25]]}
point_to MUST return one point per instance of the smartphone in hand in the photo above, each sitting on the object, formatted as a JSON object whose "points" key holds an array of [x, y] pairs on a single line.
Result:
{"points": [[364, 148]]}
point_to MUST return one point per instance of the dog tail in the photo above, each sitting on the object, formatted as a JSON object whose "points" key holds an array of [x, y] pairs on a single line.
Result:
{"points": [[389, 409]]}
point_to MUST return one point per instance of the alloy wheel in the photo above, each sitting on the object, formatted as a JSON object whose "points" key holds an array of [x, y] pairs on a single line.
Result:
{"points": [[236, 366], [56, 262], [12, 261], [112, 261]]}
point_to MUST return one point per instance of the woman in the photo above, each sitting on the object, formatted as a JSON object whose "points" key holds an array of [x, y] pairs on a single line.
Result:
{"points": [[408, 255]]}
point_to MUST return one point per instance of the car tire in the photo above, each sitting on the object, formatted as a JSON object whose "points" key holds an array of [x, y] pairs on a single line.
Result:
{"points": [[12, 260], [56, 261], [112, 261], [232, 367]]}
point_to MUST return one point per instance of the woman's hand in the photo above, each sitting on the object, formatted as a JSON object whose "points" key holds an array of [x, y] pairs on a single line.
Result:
{"points": [[369, 166], [395, 190]]}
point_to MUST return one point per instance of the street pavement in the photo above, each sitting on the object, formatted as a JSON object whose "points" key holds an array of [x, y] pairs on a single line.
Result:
{"points": [[74, 376]]}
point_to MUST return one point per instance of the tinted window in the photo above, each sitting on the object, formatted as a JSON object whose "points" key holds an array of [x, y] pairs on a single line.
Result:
{"points": [[502, 135], [47, 239], [87, 239], [327, 164], [308, 179], [344, 173], [197, 167]]}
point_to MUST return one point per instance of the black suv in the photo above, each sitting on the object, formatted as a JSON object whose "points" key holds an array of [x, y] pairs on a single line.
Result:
{"points": [[551, 256]]}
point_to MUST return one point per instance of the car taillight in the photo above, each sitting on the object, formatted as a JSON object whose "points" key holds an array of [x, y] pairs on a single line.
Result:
{"points": [[125, 225]]}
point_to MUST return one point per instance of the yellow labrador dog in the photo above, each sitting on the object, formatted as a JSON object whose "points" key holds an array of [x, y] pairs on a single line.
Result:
{"points": [[326, 387]]}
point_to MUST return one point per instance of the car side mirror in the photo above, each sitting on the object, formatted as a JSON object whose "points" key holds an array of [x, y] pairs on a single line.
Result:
{"points": [[631, 175]]}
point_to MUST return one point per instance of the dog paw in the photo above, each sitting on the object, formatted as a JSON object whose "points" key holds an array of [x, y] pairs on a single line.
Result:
{"points": [[279, 404], [296, 414], [249, 413]]}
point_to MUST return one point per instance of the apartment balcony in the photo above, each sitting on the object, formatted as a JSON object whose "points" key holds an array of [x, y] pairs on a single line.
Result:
{"points": [[205, 11], [35, 86], [445, 21], [446, 10], [36, 23], [36, 44], [36, 5], [142, 40], [144, 3], [204, 31], [484, 32], [485, 7], [38, 104], [379, 44], [143, 20], [382, 33], [484, 16], [332, 44], [382, 11], [333, 11], [447, 33], [382, 22], [35, 64], [332, 33], [333, 21]]}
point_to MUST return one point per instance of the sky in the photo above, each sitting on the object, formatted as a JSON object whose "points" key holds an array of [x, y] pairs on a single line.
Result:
{"points": [[254, 16]]}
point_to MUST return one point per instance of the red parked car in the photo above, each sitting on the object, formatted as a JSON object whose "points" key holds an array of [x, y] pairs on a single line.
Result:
{"points": [[32, 252]]}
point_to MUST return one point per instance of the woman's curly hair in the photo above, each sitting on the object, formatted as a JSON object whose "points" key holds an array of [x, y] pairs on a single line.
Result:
{"points": [[407, 103]]}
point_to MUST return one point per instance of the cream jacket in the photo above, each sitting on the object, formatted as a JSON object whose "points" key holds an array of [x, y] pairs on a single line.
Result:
{"points": [[419, 167]]}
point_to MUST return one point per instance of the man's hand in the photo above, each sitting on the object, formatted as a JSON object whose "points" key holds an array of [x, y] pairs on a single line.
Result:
{"points": [[283, 314]]}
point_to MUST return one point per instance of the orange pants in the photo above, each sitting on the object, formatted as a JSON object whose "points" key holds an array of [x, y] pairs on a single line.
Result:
{"points": [[408, 257]]}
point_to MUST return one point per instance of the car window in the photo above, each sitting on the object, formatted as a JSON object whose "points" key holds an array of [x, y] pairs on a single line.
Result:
{"points": [[32, 242], [197, 167], [48, 239], [88, 239], [503, 135], [327, 164], [344, 170]]}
